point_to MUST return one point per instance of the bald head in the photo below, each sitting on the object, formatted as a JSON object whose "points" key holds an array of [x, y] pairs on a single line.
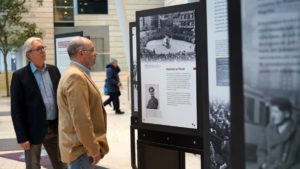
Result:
{"points": [[76, 44], [82, 50]]}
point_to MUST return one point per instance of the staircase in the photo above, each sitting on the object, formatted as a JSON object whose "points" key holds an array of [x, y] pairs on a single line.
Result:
{"points": [[125, 102]]}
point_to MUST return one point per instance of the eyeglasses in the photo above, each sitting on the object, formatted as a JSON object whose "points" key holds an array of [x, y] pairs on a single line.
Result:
{"points": [[39, 49], [91, 50]]}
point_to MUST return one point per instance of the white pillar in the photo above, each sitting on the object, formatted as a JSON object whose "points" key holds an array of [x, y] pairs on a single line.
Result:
{"points": [[123, 22]]}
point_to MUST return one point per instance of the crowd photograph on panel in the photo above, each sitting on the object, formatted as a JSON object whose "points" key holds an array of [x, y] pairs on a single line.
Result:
{"points": [[167, 38], [219, 134]]}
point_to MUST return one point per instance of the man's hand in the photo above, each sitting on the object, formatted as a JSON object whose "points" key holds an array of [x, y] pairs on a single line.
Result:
{"points": [[25, 145], [96, 158]]}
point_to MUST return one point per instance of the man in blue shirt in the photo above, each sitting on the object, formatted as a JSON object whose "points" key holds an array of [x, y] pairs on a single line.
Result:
{"points": [[33, 106]]}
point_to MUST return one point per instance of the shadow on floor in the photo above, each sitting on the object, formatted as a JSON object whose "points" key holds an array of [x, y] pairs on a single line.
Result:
{"points": [[45, 162], [9, 144]]}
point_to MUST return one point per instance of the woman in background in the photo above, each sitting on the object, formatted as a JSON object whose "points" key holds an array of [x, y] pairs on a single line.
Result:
{"points": [[113, 85]]}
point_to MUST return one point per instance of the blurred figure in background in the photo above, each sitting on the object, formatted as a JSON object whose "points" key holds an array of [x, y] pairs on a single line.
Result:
{"points": [[113, 85]]}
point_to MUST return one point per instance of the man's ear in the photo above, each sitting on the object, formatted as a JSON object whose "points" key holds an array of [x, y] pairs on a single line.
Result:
{"points": [[27, 57]]}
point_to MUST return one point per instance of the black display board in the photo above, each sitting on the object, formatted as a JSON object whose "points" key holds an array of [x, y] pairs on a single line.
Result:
{"points": [[265, 83], [167, 158], [172, 74], [62, 58]]}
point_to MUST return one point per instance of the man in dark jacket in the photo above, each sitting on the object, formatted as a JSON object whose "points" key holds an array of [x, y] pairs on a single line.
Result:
{"points": [[34, 108], [280, 147], [113, 85]]}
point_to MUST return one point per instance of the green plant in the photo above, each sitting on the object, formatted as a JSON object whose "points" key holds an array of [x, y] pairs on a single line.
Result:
{"points": [[13, 30]]}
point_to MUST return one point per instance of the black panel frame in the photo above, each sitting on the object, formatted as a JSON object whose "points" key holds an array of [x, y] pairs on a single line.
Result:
{"points": [[133, 82], [201, 71]]}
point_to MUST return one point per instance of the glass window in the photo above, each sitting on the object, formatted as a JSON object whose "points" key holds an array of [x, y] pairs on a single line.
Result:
{"points": [[63, 14], [92, 7], [63, 2], [63, 11]]}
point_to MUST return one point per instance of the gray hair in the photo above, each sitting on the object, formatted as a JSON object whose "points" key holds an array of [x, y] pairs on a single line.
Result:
{"points": [[113, 60], [28, 43], [76, 44]]}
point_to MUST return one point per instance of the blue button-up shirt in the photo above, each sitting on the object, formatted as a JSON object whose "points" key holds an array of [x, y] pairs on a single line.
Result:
{"points": [[46, 88], [85, 69]]}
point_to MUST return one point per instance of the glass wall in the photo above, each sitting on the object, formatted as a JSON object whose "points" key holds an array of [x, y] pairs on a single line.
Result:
{"points": [[63, 11], [92, 7]]}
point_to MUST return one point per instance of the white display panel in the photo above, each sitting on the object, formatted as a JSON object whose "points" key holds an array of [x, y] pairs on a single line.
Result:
{"points": [[134, 69], [218, 77], [168, 69], [61, 44]]}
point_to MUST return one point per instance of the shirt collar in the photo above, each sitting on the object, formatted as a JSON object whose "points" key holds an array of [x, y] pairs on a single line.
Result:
{"points": [[84, 68], [34, 68]]}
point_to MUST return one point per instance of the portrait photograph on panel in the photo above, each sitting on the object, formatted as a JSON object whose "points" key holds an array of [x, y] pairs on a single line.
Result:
{"points": [[271, 83], [167, 62], [152, 96]]}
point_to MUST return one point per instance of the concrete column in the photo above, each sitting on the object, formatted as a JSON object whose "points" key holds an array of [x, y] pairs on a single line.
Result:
{"points": [[123, 22]]}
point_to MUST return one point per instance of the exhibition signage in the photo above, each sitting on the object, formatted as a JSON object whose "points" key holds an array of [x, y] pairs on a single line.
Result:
{"points": [[167, 61], [61, 44], [218, 136]]}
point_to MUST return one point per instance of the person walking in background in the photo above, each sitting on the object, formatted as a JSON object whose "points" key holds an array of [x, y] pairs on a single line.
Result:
{"points": [[113, 85], [34, 108], [82, 117]]}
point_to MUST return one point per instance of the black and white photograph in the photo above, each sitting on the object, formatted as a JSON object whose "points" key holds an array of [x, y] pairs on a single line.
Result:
{"points": [[219, 134], [218, 152], [168, 37], [152, 95], [271, 83]]}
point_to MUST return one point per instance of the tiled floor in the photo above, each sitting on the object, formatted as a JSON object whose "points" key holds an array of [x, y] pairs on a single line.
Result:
{"points": [[118, 138]]}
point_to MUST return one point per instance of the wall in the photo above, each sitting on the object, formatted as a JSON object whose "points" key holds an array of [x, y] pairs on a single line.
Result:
{"points": [[116, 44], [43, 17], [177, 2]]}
